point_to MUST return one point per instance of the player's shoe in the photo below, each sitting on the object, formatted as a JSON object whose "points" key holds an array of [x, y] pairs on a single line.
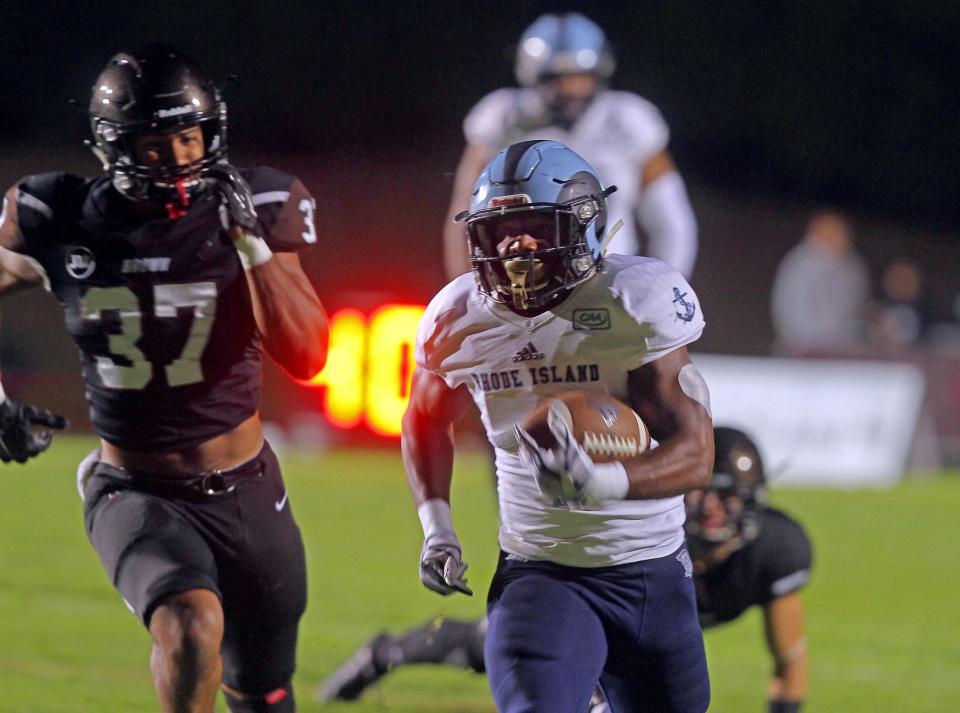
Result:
{"points": [[358, 672]]}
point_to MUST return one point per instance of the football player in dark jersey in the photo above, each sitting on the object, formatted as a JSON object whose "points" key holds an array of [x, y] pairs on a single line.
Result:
{"points": [[176, 271], [747, 553], [744, 552]]}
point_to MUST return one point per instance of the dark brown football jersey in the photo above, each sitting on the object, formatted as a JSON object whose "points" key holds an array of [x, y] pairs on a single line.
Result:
{"points": [[774, 564], [158, 307]]}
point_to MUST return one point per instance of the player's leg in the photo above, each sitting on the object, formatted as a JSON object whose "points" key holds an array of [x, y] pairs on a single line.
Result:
{"points": [[545, 646], [166, 573], [665, 670], [264, 595], [441, 641], [438, 641], [187, 629]]}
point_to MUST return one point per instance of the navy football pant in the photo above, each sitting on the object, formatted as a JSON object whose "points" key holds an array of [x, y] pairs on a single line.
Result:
{"points": [[556, 631]]}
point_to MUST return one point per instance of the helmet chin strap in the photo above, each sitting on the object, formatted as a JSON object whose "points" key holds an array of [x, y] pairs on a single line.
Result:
{"points": [[609, 236]]}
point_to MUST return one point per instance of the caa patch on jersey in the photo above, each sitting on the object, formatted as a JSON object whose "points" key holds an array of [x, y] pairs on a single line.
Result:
{"points": [[605, 427]]}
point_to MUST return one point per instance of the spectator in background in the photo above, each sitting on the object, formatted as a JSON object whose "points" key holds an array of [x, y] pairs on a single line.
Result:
{"points": [[821, 290], [902, 317]]}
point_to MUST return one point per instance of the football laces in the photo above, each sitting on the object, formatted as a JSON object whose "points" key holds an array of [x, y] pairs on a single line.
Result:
{"points": [[609, 445]]}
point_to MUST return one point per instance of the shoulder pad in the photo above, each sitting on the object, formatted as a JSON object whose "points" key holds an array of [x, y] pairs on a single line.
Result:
{"points": [[645, 131], [486, 123], [786, 553], [657, 298], [51, 194], [263, 179], [285, 208], [450, 305]]}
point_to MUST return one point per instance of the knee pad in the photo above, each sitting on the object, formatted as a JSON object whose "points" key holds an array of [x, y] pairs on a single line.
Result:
{"points": [[279, 700]]}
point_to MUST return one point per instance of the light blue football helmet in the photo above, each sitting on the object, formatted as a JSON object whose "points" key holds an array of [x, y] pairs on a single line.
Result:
{"points": [[545, 190], [562, 44]]}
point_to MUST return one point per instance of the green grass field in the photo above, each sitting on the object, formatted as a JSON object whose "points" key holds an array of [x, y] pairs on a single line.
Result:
{"points": [[883, 608]]}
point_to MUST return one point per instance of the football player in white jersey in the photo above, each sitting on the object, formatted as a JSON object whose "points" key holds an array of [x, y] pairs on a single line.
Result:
{"points": [[594, 582], [563, 64]]}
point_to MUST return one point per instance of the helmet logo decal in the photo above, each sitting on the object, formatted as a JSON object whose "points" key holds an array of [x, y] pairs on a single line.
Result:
{"points": [[176, 111], [80, 262], [685, 310], [507, 201]]}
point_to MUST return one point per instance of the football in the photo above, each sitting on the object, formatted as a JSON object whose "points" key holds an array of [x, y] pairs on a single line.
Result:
{"points": [[605, 427]]}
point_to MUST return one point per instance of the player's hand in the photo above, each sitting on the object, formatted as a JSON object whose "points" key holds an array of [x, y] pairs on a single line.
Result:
{"points": [[566, 474], [237, 197], [545, 464], [18, 442], [441, 566]]}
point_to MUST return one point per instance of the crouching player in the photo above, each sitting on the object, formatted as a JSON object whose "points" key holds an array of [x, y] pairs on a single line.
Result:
{"points": [[594, 582], [744, 552]]}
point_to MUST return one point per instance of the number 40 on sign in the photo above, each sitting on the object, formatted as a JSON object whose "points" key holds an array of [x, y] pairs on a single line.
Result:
{"points": [[369, 367]]}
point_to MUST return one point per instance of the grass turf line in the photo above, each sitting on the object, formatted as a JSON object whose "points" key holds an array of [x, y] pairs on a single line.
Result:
{"points": [[882, 615]]}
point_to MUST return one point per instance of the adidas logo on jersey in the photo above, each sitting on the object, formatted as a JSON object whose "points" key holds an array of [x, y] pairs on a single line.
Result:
{"points": [[528, 353]]}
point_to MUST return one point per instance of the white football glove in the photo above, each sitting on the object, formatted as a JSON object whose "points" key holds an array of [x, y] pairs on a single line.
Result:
{"points": [[441, 566], [565, 474]]}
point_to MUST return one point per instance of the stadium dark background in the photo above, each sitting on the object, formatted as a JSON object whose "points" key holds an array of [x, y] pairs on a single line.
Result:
{"points": [[774, 107]]}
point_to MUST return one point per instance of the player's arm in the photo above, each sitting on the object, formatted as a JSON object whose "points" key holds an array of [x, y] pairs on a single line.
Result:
{"points": [[672, 399], [18, 442], [427, 446], [784, 626], [17, 270], [289, 316], [666, 215], [456, 260]]}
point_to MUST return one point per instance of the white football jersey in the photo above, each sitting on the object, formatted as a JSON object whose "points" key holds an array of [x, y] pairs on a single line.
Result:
{"points": [[616, 134], [633, 311]]}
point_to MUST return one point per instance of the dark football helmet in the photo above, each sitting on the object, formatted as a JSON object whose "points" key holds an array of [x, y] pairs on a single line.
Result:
{"points": [[544, 190], [728, 507], [154, 90]]}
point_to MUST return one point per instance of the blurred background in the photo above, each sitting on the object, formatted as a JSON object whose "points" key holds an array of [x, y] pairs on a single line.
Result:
{"points": [[776, 110]]}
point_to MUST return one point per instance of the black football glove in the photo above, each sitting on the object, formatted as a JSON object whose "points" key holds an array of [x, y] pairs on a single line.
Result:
{"points": [[236, 195], [18, 442]]}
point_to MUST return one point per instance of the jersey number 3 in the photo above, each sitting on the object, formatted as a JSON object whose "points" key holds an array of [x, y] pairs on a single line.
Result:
{"points": [[167, 299]]}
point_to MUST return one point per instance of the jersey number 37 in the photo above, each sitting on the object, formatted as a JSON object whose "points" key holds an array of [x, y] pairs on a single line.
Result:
{"points": [[167, 300]]}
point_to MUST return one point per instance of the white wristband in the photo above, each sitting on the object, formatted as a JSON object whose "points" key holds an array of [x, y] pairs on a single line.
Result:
{"points": [[253, 250], [435, 517], [609, 482]]}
